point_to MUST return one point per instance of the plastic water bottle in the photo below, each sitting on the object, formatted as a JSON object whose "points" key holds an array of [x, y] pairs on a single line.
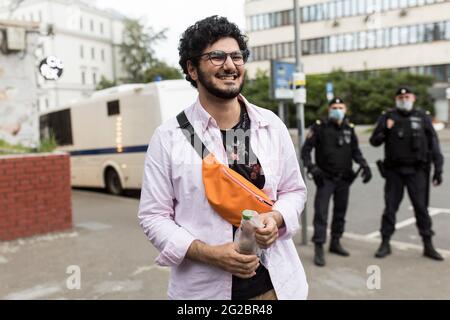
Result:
{"points": [[245, 235]]}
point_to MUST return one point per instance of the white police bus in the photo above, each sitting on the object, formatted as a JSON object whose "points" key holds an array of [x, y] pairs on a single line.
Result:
{"points": [[107, 134]]}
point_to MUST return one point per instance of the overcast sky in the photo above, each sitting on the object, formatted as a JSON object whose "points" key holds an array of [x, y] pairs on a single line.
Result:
{"points": [[176, 15]]}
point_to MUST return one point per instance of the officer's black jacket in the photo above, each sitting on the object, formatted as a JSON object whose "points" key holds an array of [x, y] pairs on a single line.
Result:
{"points": [[326, 159], [381, 134]]}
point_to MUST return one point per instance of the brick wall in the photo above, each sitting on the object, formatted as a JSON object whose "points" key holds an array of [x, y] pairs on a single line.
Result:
{"points": [[35, 195]]}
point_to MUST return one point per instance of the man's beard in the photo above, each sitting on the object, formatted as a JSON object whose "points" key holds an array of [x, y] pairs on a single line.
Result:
{"points": [[225, 94]]}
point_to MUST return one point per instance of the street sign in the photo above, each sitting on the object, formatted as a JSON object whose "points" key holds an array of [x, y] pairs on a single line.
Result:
{"points": [[281, 80], [299, 82]]}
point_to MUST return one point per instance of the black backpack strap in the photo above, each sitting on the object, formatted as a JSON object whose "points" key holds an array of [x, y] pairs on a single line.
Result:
{"points": [[191, 136]]}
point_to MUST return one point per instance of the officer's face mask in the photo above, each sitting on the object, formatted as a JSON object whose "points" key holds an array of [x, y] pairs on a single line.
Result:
{"points": [[404, 105], [336, 114]]}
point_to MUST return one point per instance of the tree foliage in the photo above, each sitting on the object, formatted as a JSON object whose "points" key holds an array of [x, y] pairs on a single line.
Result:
{"points": [[366, 94], [136, 50], [162, 70], [105, 83]]}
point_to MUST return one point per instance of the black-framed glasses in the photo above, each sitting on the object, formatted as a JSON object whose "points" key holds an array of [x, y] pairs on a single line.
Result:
{"points": [[218, 57]]}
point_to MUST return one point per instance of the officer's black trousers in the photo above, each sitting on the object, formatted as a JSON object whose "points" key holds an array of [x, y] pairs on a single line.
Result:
{"points": [[339, 189], [416, 185]]}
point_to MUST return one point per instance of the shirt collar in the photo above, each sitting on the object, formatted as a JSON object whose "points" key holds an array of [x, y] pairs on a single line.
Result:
{"points": [[255, 116]]}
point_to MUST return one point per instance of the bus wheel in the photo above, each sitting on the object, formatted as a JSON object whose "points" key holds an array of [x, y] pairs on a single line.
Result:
{"points": [[112, 181]]}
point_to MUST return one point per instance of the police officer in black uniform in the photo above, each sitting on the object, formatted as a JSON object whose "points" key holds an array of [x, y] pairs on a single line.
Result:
{"points": [[410, 145], [336, 146]]}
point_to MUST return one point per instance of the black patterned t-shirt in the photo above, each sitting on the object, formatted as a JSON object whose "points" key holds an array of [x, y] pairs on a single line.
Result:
{"points": [[243, 160]]}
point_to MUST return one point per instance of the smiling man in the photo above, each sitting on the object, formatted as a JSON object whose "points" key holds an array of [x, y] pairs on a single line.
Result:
{"points": [[194, 238]]}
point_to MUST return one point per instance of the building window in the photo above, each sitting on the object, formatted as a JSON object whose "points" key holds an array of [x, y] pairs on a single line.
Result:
{"points": [[371, 38], [103, 54], [81, 23], [305, 14], [81, 52], [395, 36], [101, 27], [92, 25], [361, 7], [347, 8], [439, 73], [94, 78], [421, 33], [93, 53], [333, 44], [348, 42], [429, 32], [447, 30], [320, 13], [83, 77], [379, 39], [369, 7], [362, 40], [394, 4], [404, 35], [413, 31], [439, 31], [338, 9]]}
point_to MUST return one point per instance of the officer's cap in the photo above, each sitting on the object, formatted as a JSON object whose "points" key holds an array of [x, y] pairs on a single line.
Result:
{"points": [[335, 100], [403, 90]]}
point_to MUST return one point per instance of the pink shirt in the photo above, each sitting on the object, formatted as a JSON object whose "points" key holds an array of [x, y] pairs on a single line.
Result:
{"points": [[174, 211]]}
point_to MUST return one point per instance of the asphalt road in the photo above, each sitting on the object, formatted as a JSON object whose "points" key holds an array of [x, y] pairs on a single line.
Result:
{"points": [[116, 261], [367, 204]]}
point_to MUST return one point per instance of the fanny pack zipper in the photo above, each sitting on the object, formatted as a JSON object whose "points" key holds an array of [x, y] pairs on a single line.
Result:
{"points": [[244, 186]]}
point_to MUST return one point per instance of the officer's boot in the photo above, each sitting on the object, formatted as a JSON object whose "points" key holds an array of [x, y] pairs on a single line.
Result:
{"points": [[429, 251], [335, 247], [319, 259], [384, 249]]}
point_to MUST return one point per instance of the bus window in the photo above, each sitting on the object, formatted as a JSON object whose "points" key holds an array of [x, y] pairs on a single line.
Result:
{"points": [[59, 124], [113, 107]]}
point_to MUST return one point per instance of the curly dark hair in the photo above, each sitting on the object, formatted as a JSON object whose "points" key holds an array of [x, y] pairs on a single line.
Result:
{"points": [[203, 34]]}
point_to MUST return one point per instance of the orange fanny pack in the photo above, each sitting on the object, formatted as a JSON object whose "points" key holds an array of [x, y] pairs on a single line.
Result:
{"points": [[227, 191]]}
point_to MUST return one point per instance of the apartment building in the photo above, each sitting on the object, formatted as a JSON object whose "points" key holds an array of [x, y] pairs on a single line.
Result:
{"points": [[86, 39], [355, 35]]}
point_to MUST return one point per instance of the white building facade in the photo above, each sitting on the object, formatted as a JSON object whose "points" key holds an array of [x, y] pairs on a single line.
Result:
{"points": [[354, 35], [86, 39]]}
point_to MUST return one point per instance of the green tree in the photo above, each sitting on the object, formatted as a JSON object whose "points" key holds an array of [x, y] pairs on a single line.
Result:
{"points": [[257, 91], [366, 94], [104, 83], [162, 70], [136, 50]]}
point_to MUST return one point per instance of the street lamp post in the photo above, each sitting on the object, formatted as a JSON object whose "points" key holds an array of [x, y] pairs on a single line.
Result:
{"points": [[300, 107]]}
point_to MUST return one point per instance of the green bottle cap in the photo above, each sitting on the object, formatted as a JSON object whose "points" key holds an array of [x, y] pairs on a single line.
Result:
{"points": [[248, 214]]}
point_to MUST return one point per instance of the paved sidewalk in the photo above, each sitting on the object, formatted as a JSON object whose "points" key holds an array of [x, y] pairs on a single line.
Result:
{"points": [[403, 275], [116, 262]]}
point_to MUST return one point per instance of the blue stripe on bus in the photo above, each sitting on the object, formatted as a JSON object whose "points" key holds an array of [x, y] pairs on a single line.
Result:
{"points": [[133, 149]]}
